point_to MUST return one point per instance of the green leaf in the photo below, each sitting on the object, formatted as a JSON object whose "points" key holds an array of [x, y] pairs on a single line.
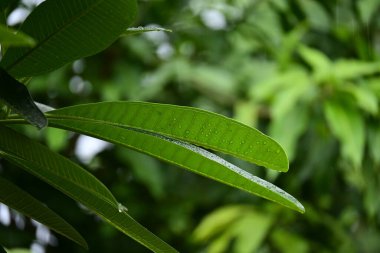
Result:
{"points": [[17, 96], [140, 29], [374, 142], [177, 152], [10, 37], [318, 61], [234, 223], [75, 182], [2, 250], [353, 69], [347, 124], [196, 126], [14, 197], [68, 30], [366, 99]]}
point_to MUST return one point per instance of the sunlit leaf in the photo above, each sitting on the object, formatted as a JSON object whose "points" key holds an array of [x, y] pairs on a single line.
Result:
{"points": [[17, 96], [351, 69], [319, 62], [189, 124], [14, 197], [76, 182], [68, 30], [10, 37], [346, 123], [365, 98]]}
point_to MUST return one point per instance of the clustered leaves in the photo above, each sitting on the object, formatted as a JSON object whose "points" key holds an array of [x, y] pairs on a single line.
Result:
{"points": [[58, 32]]}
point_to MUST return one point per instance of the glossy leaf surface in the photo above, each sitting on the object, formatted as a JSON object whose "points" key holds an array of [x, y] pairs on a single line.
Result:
{"points": [[196, 126], [177, 152], [16, 198], [68, 30]]}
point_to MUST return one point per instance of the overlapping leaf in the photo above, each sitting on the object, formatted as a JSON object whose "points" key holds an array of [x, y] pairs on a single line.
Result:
{"points": [[16, 198], [152, 141], [17, 96], [68, 30], [77, 183]]}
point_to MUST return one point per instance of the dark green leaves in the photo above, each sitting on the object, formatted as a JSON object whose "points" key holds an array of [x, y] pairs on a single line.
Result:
{"points": [[2, 250], [17, 96], [168, 132], [75, 182], [68, 30], [21, 201]]}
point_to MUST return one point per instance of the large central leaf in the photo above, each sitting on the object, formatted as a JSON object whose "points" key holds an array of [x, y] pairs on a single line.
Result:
{"points": [[68, 30], [203, 128]]}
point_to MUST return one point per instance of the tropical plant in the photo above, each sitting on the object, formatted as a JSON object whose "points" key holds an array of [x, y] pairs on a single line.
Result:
{"points": [[59, 32]]}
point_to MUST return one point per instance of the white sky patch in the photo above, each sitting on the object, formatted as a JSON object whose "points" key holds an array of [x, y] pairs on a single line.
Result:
{"points": [[5, 215], [165, 51], [17, 16], [214, 19], [88, 147]]}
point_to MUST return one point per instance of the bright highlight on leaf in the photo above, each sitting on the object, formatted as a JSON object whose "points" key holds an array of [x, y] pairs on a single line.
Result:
{"points": [[140, 29]]}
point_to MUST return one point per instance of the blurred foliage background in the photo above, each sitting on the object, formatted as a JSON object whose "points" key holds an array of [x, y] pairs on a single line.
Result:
{"points": [[305, 72]]}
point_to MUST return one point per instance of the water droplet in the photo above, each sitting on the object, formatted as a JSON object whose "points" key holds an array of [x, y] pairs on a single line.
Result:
{"points": [[250, 146], [230, 142], [278, 151], [187, 132], [264, 143], [121, 208]]}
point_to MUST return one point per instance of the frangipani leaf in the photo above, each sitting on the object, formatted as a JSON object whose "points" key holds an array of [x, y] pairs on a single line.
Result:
{"points": [[177, 152], [75, 182], [16, 198], [196, 126], [66, 31]]}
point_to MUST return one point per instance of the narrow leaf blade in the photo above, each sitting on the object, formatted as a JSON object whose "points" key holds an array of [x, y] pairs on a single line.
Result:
{"points": [[75, 182], [192, 125], [14, 197], [17, 96], [182, 154]]}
